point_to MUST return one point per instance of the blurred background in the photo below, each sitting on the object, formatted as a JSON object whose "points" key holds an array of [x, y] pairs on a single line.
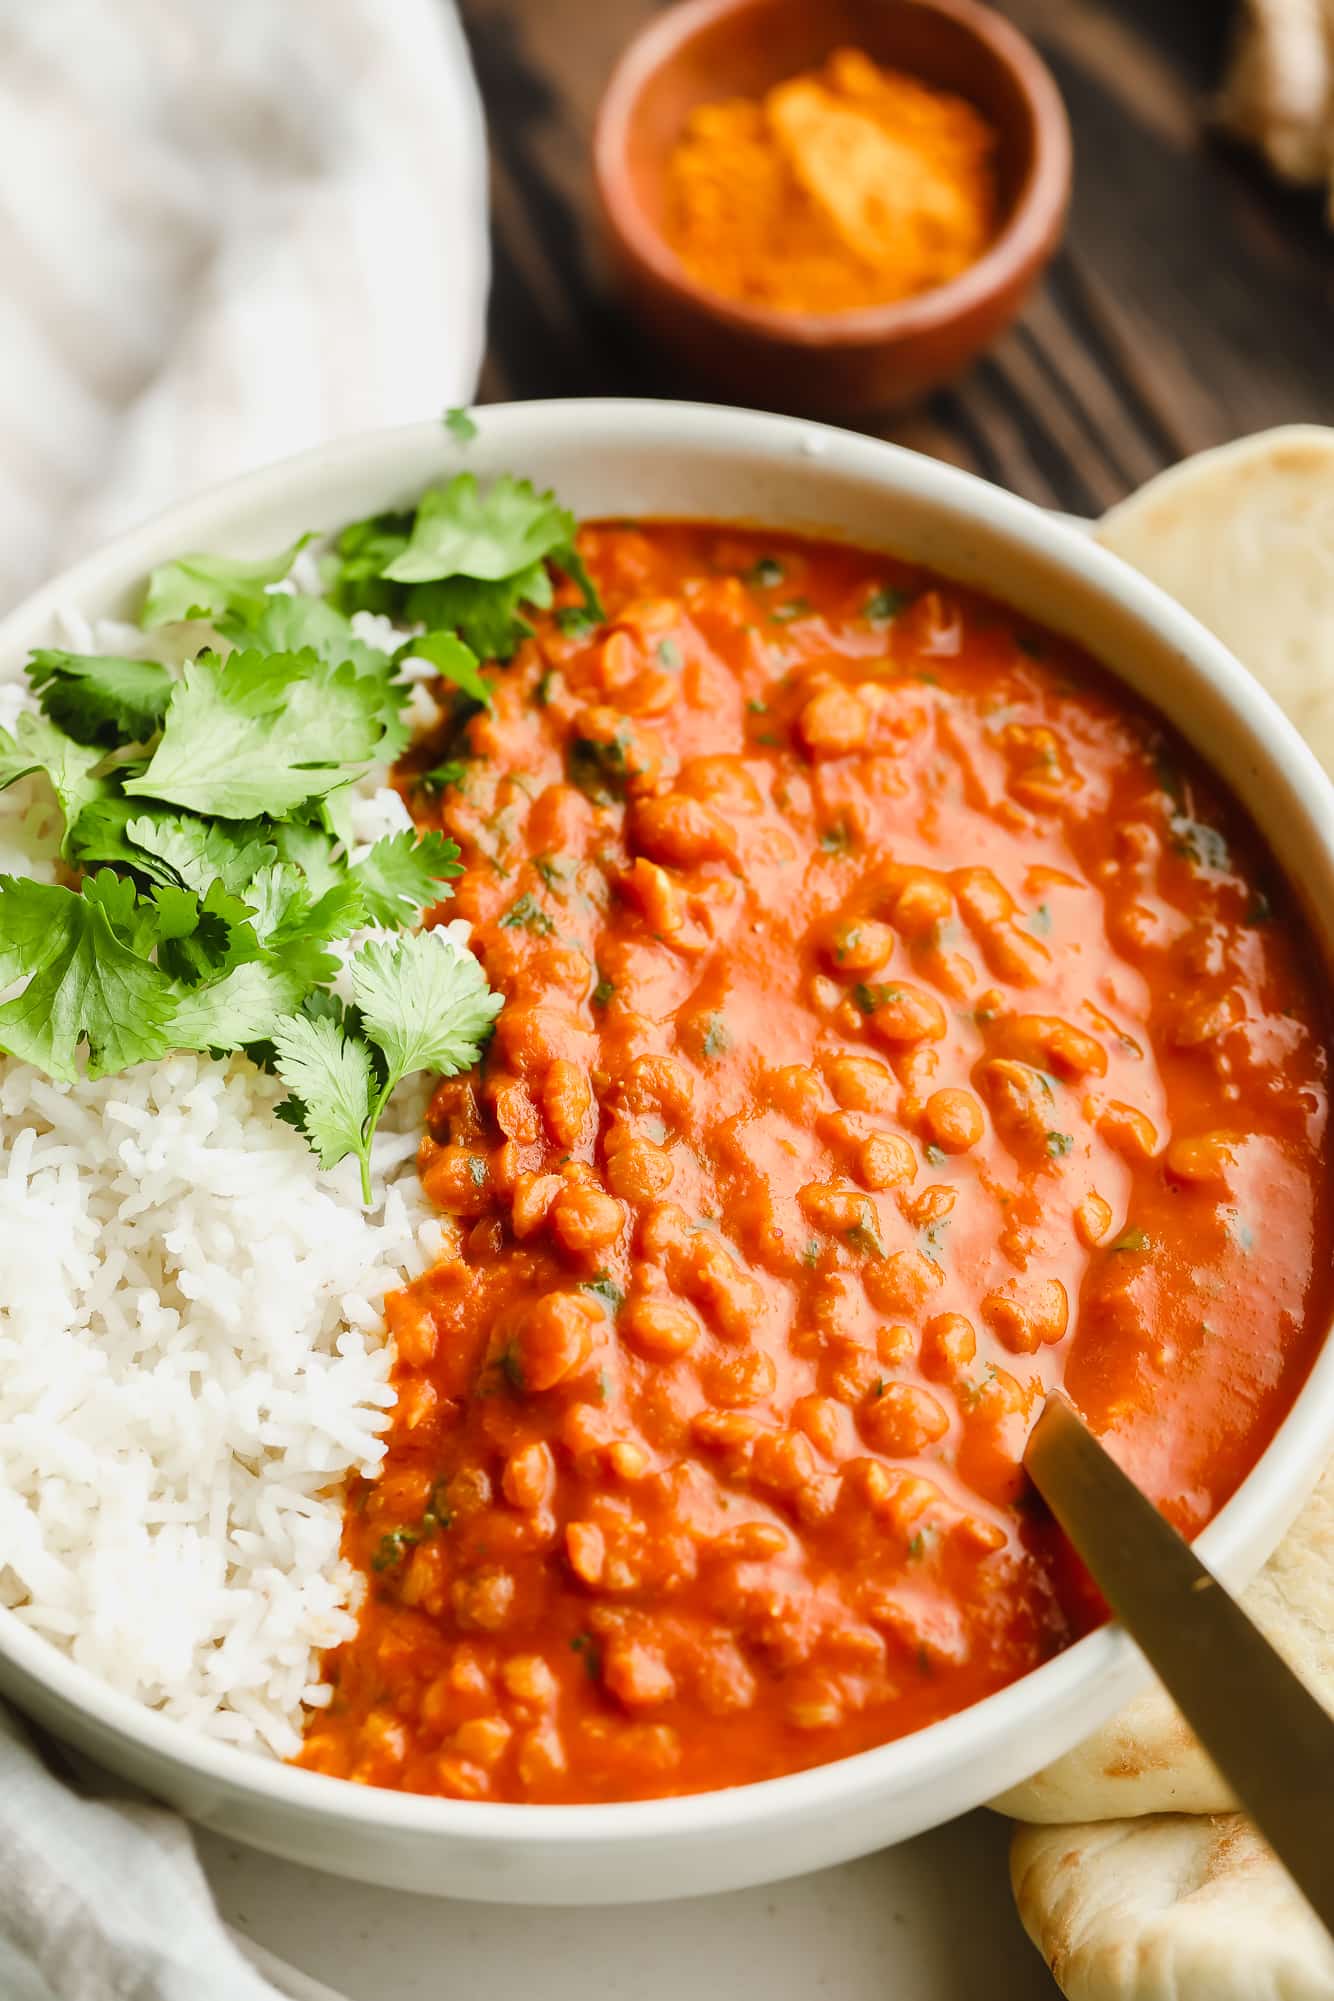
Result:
{"points": [[230, 233], [1192, 300]]}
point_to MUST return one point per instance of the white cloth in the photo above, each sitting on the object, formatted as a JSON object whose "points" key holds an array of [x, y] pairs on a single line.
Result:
{"points": [[107, 1899], [228, 229]]}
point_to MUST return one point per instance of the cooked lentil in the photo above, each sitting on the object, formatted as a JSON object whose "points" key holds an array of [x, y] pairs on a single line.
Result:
{"points": [[799, 1168]]}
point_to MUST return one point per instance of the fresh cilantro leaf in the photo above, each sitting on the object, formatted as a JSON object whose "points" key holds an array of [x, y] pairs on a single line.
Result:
{"points": [[324, 1005], [453, 660], [402, 876], [206, 586], [332, 1076], [459, 531], [101, 698], [191, 851], [175, 913], [278, 894], [557, 872], [98, 835], [424, 1002], [241, 1007], [598, 766], [293, 926], [140, 923], [604, 1287], [459, 423], [220, 937], [567, 558], [335, 913], [885, 604], [300, 627], [354, 576], [527, 914], [486, 615], [310, 848], [865, 1235], [334, 814], [442, 776], [83, 983], [260, 735], [37, 745], [288, 622], [464, 563], [390, 1549]]}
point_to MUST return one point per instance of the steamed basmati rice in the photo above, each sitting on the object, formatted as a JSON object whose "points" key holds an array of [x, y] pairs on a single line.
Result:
{"points": [[193, 1355]]}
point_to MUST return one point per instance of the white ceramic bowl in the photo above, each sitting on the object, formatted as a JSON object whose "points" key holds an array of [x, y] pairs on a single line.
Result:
{"points": [[619, 458]]}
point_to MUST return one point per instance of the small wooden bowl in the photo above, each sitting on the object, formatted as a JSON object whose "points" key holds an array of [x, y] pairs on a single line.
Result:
{"points": [[874, 357]]}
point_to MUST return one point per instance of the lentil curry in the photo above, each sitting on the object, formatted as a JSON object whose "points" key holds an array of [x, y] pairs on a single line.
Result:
{"points": [[898, 1022]]}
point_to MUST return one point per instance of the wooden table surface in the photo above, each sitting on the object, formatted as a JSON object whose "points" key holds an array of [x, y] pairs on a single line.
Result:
{"points": [[1193, 300]]}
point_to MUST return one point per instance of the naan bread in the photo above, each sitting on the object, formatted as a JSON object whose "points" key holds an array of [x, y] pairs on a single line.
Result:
{"points": [[1146, 1759], [1172, 1908], [1244, 537]]}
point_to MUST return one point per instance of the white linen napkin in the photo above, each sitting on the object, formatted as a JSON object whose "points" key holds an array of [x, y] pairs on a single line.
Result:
{"points": [[106, 1898], [228, 229]]}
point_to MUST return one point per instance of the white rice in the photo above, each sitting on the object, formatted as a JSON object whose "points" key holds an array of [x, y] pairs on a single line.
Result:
{"points": [[193, 1356]]}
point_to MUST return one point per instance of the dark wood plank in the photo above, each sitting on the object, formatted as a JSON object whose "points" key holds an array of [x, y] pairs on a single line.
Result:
{"points": [[1193, 301]]}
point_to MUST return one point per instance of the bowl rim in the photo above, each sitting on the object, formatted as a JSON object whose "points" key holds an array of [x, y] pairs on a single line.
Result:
{"points": [[1030, 231], [1105, 1659]]}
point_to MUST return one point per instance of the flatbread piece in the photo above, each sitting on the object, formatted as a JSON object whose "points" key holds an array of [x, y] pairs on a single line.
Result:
{"points": [[1244, 537], [1175, 1907]]}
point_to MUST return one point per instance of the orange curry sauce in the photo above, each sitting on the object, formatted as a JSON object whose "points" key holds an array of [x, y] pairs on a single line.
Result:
{"points": [[897, 1023]]}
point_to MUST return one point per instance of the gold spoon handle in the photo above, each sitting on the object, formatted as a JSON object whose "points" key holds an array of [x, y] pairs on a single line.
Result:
{"points": [[1266, 1733]]}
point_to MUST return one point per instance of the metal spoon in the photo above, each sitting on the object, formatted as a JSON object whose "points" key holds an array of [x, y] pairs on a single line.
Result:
{"points": [[1264, 1730]]}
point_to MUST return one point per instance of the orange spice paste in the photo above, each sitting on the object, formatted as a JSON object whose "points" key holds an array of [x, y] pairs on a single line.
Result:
{"points": [[899, 1021], [849, 187]]}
